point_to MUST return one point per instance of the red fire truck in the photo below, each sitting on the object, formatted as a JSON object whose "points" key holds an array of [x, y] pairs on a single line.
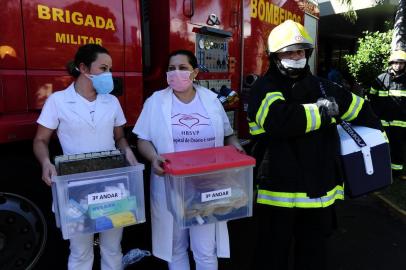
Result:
{"points": [[38, 38]]}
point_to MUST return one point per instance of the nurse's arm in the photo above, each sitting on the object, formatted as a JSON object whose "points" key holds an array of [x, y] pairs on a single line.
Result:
{"points": [[122, 144], [233, 140], [40, 147], [147, 150]]}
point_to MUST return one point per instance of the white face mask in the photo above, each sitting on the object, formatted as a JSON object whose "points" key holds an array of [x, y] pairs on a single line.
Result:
{"points": [[289, 63]]}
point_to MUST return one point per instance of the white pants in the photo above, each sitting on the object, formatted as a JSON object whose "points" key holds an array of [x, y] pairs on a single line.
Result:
{"points": [[81, 251], [203, 245]]}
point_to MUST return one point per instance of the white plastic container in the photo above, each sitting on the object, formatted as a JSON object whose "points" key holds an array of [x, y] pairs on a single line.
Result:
{"points": [[366, 168], [100, 200], [208, 185]]}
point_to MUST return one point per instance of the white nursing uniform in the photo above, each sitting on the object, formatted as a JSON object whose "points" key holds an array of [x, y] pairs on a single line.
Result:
{"points": [[155, 125], [82, 127]]}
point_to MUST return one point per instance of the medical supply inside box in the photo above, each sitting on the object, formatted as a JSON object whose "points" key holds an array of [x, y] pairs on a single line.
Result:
{"points": [[208, 185], [95, 201], [366, 168]]}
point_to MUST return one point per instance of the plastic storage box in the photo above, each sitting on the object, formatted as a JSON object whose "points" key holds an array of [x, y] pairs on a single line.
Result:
{"points": [[100, 200], [366, 168], [208, 185]]}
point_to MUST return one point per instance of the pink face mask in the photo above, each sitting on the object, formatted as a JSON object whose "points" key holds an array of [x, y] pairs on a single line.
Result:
{"points": [[179, 80]]}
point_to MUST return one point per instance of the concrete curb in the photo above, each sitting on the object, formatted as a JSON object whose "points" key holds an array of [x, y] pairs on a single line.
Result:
{"points": [[396, 209]]}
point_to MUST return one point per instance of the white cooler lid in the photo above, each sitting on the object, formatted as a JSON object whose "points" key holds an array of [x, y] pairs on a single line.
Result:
{"points": [[371, 136]]}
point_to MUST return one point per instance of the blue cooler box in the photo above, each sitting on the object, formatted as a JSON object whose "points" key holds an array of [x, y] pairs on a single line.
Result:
{"points": [[367, 168]]}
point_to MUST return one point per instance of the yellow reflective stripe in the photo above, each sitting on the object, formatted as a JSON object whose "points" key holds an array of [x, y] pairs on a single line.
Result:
{"points": [[393, 123], [354, 109], [265, 104], [385, 136], [397, 123], [385, 123], [385, 93], [397, 93], [301, 200], [373, 91], [255, 129], [333, 120], [313, 119], [396, 167]]}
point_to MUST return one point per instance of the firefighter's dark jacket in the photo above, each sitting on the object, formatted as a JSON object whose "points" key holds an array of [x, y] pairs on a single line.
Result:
{"points": [[388, 99], [298, 143]]}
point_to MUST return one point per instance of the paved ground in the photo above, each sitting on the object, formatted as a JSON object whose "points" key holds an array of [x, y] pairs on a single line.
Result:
{"points": [[370, 237]]}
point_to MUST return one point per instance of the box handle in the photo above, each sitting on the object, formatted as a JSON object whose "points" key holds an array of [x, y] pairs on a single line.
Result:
{"points": [[366, 153]]}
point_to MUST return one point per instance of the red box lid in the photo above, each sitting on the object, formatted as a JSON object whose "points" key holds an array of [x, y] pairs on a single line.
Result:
{"points": [[205, 160]]}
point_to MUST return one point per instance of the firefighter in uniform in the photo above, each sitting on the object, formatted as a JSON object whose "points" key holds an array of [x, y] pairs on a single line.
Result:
{"points": [[297, 150], [388, 100]]}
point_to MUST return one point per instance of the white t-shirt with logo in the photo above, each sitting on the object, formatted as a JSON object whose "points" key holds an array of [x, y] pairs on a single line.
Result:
{"points": [[191, 125]]}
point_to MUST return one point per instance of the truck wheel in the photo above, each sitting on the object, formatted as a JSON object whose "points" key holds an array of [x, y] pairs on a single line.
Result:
{"points": [[23, 232]]}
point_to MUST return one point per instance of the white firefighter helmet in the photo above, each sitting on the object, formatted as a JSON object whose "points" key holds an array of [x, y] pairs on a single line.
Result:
{"points": [[397, 56], [289, 36]]}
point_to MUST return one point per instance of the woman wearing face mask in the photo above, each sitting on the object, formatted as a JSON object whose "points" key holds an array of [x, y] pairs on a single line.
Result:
{"points": [[87, 119], [184, 116]]}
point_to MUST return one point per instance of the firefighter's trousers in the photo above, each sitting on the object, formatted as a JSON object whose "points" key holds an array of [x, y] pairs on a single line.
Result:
{"points": [[300, 232], [397, 143]]}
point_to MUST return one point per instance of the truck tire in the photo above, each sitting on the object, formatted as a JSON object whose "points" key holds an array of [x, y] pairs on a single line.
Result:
{"points": [[23, 232]]}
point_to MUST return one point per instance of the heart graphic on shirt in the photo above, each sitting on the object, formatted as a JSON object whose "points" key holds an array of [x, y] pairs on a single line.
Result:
{"points": [[189, 121]]}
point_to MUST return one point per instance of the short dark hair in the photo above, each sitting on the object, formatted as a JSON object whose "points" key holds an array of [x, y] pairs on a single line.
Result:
{"points": [[190, 56], [86, 54]]}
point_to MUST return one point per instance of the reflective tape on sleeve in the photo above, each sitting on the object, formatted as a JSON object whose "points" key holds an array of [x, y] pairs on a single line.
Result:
{"points": [[354, 109], [313, 119], [397, 93], [396, 167], [385, 123], [373, 91], [255, 129], [386, 93], [265, 104], [397, 123]]}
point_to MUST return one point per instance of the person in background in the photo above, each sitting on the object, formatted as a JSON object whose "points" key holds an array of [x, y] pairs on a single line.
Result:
{"points": [[293, 123], [335, 75], [388, 100], [86, 119], [166, 115]]}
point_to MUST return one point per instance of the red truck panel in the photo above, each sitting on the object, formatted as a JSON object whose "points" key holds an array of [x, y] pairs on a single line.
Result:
{"points": [[174, 26], [224, 15], [12, 56], [11, 37], [53, 30], [260, 17], [133, 77]]}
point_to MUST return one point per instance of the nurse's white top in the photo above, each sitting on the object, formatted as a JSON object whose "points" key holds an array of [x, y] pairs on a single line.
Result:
{"points": [[155, 125], [82, 126]]}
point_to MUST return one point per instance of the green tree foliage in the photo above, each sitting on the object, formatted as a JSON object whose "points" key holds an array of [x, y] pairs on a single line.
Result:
{"points": [[371, 58], [351, 14]]}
